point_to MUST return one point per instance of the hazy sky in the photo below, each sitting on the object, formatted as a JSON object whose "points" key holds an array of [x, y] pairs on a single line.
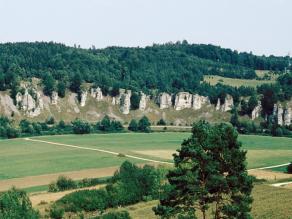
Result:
{"points": [[260, 26]]}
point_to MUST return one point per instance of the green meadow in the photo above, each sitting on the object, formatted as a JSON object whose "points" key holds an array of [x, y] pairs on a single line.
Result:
{"points": [[19, 158]]}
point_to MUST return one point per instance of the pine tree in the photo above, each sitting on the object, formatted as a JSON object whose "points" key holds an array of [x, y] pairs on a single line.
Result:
{"points": [[210, 172], [49, 84]]}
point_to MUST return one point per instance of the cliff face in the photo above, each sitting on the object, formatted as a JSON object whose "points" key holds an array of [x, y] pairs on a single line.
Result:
{"points": [[31, 103]]}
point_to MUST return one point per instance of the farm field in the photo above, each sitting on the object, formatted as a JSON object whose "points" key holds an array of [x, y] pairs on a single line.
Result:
{"points": [[213, 80], [22, 158]]}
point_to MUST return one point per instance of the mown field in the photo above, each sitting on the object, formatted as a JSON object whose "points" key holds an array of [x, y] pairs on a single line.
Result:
{"points": [[20, 158], [213, 80]]}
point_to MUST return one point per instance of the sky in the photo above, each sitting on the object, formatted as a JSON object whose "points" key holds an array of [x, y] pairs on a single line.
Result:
{"points": [[258, 26]]}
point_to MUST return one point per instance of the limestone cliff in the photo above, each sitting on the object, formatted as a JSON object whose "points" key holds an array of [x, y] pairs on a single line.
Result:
{"points": [[143, 101], [183, 100], [256, 112], [164, 100]]}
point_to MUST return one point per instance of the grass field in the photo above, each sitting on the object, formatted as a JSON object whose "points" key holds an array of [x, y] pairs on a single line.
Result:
{"points": [[20, 158], [269, 203], [213, 80]]}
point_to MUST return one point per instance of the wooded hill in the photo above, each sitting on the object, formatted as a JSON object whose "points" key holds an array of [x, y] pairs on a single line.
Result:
{"points": [[169, 67]]}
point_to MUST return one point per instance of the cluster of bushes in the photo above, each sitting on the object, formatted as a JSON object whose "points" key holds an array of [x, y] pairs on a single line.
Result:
{"points": [[64, 183], [129, 185], [8, 128], [143, 125], [16, 204]]}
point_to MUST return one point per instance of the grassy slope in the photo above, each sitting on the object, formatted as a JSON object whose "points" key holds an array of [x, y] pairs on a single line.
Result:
{"points": [[269, 202], [20, 158], [213, 80]]}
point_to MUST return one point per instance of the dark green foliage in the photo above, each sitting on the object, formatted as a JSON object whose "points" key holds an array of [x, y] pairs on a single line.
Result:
{"points": [[81, 127], [129, 185], [271, 95], [49, 84], [135, 101], [64, 183], [50, 120], [289, 168], [210, 170], [234, 118], [76, 82], [56, 212], [108, 125], [286, 84], [161, 122], [6, 129], [15, 204], [133, 126], [115, 215], [144, 124], [85, 200], [61, 89]]}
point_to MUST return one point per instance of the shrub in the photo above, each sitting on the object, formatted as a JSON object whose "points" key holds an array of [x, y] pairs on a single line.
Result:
{"points": [[144, 124], [81, 127], [289, 168], [161, 122], [135, 101], [56, 212], [16, 204], [133, 126], [50, 120], [64, 183], [87, 200], [53, 187]]}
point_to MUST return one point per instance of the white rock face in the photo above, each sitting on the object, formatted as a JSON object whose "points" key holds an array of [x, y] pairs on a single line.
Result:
{"points": [[83, 98], [54, 98], [218, 105], [228, 104], [183, 100], [96, 93], [256, 111], [280, 112], [199, 101], [164, 100], [287, 116], [125, 101], [30, 106], [143, 101]]}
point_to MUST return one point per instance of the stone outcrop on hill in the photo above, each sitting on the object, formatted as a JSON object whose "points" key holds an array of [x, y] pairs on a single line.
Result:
{"points": [[218, 105], [282, 115], [287, 116], [143, 101], [164, 100], [125, 101], [83, 98], [199, 101], [54, 98], [256, 112], [228, 103], [183, 100], [96, 93], [30, 103]]}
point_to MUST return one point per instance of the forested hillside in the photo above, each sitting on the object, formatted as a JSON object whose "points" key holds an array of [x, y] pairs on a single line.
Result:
{"points": [[168, 67]]}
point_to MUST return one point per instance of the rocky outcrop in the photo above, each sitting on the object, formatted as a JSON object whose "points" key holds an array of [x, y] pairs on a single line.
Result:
{"points": [[228, 103], [256, 112], [287, 116], [164, 100], [96, 93], [280, 112], [143, 101], [218, 105], [30, 103], [199, 101], [54, 98], [183, 100], [83, 97], [125, 101]]}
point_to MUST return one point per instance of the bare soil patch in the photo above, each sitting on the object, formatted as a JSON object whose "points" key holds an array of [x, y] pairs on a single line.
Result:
{"points": [[32, 181], [269, 175]]}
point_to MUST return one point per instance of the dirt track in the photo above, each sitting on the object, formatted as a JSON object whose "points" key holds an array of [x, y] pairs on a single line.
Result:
{"points": [[31, 181]]}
